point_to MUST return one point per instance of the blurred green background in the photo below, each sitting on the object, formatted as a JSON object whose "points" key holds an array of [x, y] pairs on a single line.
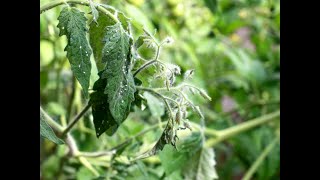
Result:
{"points": [[234, 48]]}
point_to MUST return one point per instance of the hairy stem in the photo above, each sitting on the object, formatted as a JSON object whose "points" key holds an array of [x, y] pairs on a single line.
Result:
{"points": [[221, 135], [164, 98], [149, 62], [76, 119], [84, 3], [260, 159]]}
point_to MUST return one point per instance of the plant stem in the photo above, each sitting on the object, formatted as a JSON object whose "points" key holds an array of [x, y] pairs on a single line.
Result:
{"points": [[164, 98], [72, 96], [144, 66], [221, 135], [114, 149], [149, 62], [76, 119], [57, 127], [87, 164], [70, 142], [260, 159], [84, 3]]}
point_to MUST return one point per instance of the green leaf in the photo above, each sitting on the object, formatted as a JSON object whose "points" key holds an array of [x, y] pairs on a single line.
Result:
{"points": [[174, 160], [139, 42], [102, 118], [171, 159], [138, 16], [125, 21], [97, 33], [156, 106], [120, 86], [84, 174], [201, 165], [72, 23], [47, 132], [189, 144]]}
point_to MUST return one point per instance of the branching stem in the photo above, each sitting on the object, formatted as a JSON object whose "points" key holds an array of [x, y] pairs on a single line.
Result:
{"points": [[147, 64], [222, 135]]}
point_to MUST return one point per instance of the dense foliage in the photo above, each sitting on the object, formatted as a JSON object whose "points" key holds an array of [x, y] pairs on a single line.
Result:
{"points": [[162, 89]]}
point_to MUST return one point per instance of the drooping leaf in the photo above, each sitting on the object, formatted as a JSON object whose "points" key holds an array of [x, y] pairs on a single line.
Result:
{"points": [[167, 137], [120, 85], [102, 119], [47, 132], [156, 106], [72, 23], [97, 33], [201, 166]]}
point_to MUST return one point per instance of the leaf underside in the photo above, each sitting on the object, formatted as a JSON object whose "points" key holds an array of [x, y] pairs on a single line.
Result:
{"points": [[72, 23]]}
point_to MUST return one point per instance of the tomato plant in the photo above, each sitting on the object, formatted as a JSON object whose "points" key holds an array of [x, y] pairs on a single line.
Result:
{"points": [[114, 83]]}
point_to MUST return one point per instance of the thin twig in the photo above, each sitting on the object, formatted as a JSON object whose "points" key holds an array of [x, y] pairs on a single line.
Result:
{"points": [[76, 119]]}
